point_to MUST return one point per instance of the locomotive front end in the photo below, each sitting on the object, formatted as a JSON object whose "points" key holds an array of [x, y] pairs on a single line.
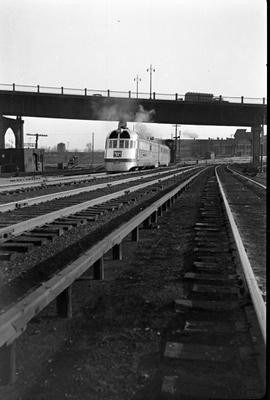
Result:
{"points": [[121, 150]]}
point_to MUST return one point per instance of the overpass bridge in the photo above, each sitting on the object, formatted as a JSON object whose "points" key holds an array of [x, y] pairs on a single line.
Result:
{"points": [[85, 104]]}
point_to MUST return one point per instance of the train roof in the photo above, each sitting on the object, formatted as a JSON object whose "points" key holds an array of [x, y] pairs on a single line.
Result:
{"points": [[140, 134]]}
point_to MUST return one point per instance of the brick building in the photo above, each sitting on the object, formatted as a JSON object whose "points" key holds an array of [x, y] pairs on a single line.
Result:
{"points": [[239, 146]]}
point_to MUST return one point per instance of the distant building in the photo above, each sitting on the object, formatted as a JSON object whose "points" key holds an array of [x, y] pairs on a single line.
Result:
{"points": [[238, 146], [243, 143], [61, 147]]}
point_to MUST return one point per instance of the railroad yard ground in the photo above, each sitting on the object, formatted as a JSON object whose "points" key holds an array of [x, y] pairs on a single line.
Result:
{"points": [[112, 348]]}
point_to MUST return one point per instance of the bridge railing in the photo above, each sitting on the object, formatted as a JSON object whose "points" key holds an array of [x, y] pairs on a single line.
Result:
{"points": [[123, 94]]}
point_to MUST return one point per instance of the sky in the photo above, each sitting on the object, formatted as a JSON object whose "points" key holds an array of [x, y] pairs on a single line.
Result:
{"points": [[212, 46]]}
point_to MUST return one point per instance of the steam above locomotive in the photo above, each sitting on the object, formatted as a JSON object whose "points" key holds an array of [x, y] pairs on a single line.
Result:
{"points": [[127, 150]]}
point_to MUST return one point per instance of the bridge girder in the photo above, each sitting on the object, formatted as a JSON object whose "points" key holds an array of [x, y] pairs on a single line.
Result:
{"points": [[144, 110]]}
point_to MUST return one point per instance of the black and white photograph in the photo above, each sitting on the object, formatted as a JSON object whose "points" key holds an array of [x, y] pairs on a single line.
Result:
{"points": [[133, 179]]}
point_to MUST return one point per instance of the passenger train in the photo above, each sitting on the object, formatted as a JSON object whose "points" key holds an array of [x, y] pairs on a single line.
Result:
{"points": [[128, 150]]}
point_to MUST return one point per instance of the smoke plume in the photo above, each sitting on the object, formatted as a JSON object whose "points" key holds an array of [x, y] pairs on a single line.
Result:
{"points": [[118, 113], [190, 134], [113, 113], [144, 116]]}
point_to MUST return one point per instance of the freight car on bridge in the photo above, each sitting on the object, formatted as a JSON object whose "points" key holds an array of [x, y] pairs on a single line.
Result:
{"points": [[203, 97], [193, 96], [128, 150]]}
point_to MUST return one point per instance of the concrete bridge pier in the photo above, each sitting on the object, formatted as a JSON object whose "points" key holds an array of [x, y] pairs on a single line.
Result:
{"points": [[256, 135], [16, 125]]}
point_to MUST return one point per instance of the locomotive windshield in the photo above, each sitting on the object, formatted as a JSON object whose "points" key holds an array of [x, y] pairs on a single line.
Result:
{"points": [[114, 135], [124, 135]]}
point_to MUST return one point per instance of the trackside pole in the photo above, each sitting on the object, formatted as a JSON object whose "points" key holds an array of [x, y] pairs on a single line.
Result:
{"points": [[8, 364]]}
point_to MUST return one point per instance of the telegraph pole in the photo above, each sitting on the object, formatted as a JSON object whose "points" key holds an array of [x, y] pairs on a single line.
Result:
{"points": [[93, 147], [37, 135]]}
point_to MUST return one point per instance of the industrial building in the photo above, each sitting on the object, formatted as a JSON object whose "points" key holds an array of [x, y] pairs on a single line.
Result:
{"points": [[193, 149]]}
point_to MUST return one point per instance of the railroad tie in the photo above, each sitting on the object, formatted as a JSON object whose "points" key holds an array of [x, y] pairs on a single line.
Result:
{"points": [[63, 226], [5, 255], [46, 235], [37, 241], [49, 229], [15, 246]]}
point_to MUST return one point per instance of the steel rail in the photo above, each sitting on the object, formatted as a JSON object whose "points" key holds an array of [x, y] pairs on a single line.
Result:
{"points": [[251, 281], [16, 229], [52, 180], [52, 196], [13, 321], [248, 179]]}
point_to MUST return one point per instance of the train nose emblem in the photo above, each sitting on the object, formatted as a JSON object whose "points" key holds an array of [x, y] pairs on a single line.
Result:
{"points": [[117, 153]]}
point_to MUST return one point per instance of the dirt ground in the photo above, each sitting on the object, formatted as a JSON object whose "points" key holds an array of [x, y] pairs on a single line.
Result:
{"points": [[112, 347]]}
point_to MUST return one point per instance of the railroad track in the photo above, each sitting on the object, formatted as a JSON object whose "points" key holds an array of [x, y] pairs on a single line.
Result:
{"points": [[219, 329], [244, 178], [247, 200], [57, 212], [21, 198], [20, 186]]}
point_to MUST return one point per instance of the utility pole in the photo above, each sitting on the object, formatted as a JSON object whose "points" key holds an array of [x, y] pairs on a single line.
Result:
{"points": [[151, 69], [137, 79], [93, 147], [37, 135], [176, 137]]}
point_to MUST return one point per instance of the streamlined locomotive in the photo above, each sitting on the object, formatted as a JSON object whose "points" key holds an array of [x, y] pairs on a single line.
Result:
{"points": [[128, 150]]}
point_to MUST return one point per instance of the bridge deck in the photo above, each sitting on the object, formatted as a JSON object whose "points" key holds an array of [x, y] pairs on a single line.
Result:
{"points": [[47, 105]]}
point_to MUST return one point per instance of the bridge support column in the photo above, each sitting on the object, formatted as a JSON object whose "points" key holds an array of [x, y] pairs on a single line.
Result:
{"points": [[256, 133], [19, 134], [2, 133], [16, 125]]}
